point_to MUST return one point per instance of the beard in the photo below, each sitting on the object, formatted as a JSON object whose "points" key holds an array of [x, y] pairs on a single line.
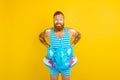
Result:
{"points": [[58, 28]]}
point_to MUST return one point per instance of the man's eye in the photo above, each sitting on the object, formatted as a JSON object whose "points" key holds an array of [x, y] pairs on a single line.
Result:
{"points": [[56, 20], [60, 19]]}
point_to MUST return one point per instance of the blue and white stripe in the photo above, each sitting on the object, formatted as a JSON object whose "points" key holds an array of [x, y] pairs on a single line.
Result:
{"points": [[57, 42]]}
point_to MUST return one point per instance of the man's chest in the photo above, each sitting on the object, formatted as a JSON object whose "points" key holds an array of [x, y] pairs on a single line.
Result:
{"points": [[59, 34]]}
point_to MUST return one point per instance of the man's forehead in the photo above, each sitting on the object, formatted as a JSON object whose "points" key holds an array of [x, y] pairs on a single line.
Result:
{"points": [[59, 15]]}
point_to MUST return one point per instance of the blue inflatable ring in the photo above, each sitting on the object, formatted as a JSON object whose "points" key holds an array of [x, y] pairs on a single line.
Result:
{"points": [[61, 58]]}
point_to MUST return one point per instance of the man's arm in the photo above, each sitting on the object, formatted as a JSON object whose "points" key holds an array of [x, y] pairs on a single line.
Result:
{"points": [[75, 34], [42, 36]]}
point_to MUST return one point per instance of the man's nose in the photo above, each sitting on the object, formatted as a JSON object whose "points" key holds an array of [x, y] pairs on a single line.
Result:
{"points": [[58, 21]]}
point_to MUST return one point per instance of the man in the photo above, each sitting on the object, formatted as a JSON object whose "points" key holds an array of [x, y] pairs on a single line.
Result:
{"points": [[62, 33]]}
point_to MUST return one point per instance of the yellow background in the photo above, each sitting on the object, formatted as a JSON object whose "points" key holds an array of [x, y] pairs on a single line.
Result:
{"points": [[98, 52]]}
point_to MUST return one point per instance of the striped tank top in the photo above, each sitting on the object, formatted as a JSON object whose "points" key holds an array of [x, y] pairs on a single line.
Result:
{"points": [[58, 42]]}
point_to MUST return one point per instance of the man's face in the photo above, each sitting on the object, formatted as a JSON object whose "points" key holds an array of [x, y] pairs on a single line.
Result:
{"points": [[59, 22]]}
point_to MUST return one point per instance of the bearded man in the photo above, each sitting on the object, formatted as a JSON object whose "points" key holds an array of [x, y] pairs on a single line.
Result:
{"points": [[59, 35]]}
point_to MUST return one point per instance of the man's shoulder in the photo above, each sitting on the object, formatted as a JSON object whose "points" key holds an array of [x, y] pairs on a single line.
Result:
{"points": [[48, 30], [71, 29]]}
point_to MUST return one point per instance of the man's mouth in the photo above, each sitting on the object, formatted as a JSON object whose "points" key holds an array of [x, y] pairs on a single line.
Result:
{"points": [[58, 24]]}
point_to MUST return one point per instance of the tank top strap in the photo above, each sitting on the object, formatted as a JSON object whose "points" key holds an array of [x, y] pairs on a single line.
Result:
{"points": [[66, 31], [52, 30]]}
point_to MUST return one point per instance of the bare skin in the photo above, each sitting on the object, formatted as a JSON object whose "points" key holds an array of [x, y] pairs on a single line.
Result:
{"points": [[59, 32]]}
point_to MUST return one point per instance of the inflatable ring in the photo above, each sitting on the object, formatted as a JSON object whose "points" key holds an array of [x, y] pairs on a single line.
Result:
{"points": [[60, 58]]}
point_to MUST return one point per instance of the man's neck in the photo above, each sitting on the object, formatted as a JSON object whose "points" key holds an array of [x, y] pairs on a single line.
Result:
{"points": [[56, 30]]}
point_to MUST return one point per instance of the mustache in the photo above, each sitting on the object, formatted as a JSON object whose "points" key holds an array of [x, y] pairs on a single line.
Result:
{"points": [[58, 23]]}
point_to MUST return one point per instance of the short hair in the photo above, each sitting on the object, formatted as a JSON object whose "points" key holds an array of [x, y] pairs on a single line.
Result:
{"points": [[57, 13]]}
